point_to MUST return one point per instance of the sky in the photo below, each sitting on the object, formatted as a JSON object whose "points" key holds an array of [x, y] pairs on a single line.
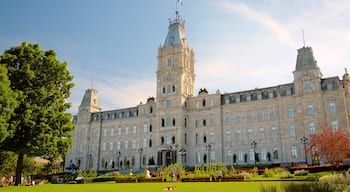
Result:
{"points": [[239, 45]]}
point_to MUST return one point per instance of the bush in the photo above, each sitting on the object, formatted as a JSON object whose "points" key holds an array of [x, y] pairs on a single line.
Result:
{"points": [[301, 172], [287, 176], [268, 173], [103, 179]]}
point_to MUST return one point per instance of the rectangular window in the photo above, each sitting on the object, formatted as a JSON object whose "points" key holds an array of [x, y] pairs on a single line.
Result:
{"points": [[211, 103], [291, 131], [144, 143], [168, 103], [104, 132], [335, 126], [332, 108], [212, 156], [133, 144], [227, 119], [112, 132], [263, 154], [228, 137], [310, 110], [229, 156], [197, 123], [294, 152], [251, 154], [240, 155], [145, 128], [262, 133], [168, 122], [249, 117], [260, 116], [274, 133], [119, 131], [126, 130], [239, 135], [238, 119], [134, 130], [198, 157], [104, 147], [290, 112], [111, 146], [126, 144], [272, 115], [212, 137], [118, 145], [92, 147], [250, 134], [167, 139], [211, 121], [312, 128]]}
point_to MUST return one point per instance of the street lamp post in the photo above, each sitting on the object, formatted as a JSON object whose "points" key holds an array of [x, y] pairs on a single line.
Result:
{"points": [[304, 140], [254, 143], [208, 147], [140, 151]]}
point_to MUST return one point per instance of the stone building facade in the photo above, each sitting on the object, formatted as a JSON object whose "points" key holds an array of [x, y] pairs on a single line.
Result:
{"points": [[265, 125]]}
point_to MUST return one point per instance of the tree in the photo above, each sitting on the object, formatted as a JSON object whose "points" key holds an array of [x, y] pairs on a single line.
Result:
{"points": [[7, 103], [40, 125], [332, 146]]}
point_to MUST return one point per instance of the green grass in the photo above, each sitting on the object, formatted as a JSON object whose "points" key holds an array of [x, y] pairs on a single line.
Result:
{"points": [[144, 187]]}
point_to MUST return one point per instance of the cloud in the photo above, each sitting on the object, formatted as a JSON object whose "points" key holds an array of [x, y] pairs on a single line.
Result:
{"points": [[262, 18]]}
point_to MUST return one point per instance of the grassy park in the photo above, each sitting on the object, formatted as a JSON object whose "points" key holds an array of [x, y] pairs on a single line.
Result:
{"points": [[144, 187]]}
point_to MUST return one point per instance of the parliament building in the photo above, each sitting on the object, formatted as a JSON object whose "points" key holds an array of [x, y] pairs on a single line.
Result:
{"points": [[270, 125]]}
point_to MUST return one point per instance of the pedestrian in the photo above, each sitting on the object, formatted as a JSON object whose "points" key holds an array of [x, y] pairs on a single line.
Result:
{"points": [[219, 175]]}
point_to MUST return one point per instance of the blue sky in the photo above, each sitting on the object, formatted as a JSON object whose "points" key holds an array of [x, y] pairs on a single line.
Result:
{"points": [[112, 45]]}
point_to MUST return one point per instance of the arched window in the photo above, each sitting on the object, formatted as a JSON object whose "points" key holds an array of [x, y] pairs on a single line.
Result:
{"points": [[163, 122], [203, 103], [185, 122], [150, 143], [173, 139], [204, 139], [150, 127], [173, 121], [162, 140]]}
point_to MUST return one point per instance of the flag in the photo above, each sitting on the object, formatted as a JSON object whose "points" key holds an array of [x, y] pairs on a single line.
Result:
{"points": [[180, 2]]}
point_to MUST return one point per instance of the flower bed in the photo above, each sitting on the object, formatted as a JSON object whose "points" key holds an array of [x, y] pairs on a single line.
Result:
{"points": [[150, 180], [234, 178], [197, 179]]}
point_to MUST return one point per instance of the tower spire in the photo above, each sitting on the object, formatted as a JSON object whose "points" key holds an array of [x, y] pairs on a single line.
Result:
{"points": [[303, 36]]}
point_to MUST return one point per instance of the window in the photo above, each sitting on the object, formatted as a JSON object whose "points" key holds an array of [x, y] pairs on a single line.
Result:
{"points": [[173, 88], [239, 135], [81, 148], [104, 132], [145, 128], [92, 147], [118, 145], [335, 126], [203, 103], [168, 103], [174, 122], [119, 131], [204, 139], [262, 133], [211, 103], [310, 110], [212, 137], [238, 118], [294, 152], [312, 128], [168, 89], [112, 133], [133, 145], [134, 130], [263, 154], [332, 108], [211, 121], [197, 138], [260, 116], [168, 122], [167, 139], [204, 122], [229, 156], [250, 134], [275, 153], [198, 157], [111, 146], [163, 122], [329, 86], [104, 147], [126, 144], [291, 131], [251, 154], [307, 84], [272, 115], [228, 137], [197, 123], [249, 118], [290, 112], [227, 119], [169, 62], [212, 156], [126, 130], [240, 155], [273, 133]]}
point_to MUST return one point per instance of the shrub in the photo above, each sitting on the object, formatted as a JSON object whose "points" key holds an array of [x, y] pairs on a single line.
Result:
{"points": [[301, 172], [268, 173], [287, 176]]}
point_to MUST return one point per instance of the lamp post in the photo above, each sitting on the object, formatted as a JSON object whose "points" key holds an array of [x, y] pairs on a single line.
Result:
{"points": [[208, 147], [140, 151], [254, 143], [304, 140]]}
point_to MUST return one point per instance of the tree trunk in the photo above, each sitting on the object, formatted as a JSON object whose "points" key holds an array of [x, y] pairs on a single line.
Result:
{"points": [[19, 169]]}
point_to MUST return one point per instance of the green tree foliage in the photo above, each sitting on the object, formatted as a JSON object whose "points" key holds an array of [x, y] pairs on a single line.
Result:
{"points": [[40, 125], [7, 103]]}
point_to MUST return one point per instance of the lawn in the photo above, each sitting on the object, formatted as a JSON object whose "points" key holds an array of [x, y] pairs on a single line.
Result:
{"points": [[144, 187]]}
